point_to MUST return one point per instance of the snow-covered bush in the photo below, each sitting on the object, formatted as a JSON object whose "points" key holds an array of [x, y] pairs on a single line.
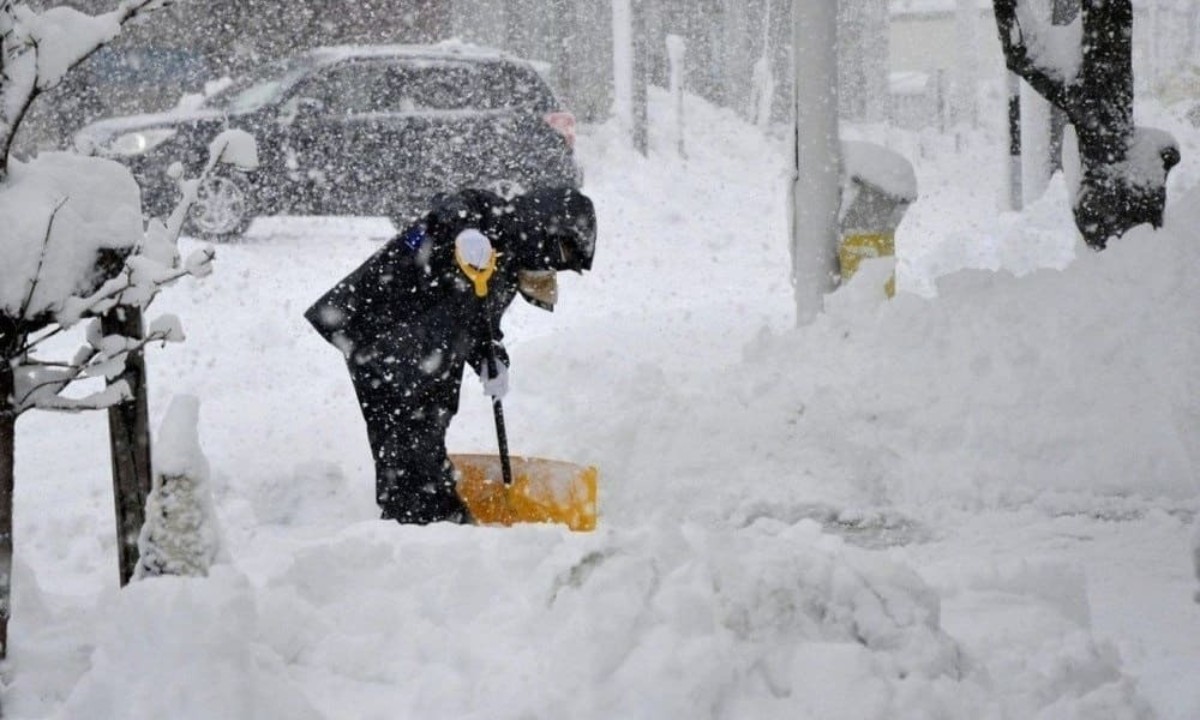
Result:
{"points": [[74, 247], [180, 536]]}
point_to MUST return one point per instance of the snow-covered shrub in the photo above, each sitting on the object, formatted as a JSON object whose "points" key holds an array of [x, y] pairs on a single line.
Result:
{"points": [[180, 536], [74, 248]]}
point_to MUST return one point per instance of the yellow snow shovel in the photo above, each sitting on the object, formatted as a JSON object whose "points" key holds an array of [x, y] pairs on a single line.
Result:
{"points": [[539, 491], [504, 490]]}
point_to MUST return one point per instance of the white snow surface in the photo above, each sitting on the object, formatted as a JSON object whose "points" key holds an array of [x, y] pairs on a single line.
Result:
{"points": [[973, 501]]}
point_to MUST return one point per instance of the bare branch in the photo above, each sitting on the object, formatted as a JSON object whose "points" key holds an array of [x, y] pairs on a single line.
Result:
{"points": [[37, 274]]}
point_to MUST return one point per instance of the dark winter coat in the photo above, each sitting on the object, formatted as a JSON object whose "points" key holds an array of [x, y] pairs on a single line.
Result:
{"points": [[408, 320], [410, 307]]}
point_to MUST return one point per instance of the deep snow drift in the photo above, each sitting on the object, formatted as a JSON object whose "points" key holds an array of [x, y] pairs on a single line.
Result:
{"points": [[971, 501]]}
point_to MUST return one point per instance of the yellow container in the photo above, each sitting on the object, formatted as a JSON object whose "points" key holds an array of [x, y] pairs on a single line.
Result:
{"points": [[854, 248]]}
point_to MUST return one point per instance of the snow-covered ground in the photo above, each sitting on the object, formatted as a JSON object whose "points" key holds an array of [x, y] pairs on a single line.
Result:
{"points": [[972, 501]]}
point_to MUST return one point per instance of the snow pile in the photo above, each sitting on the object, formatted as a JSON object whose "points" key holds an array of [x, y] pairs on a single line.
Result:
{"points": [[1000, 390], [178, 648], [533, 622], [180, 535]]}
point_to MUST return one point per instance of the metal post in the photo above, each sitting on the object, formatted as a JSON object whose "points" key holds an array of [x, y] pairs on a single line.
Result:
{"points": [[816, 192]]}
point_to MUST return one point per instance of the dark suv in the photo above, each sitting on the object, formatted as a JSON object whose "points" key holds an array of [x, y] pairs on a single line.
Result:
{"points": [[362, 130]]}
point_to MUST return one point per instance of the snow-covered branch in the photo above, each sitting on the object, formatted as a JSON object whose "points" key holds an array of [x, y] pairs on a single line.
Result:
{"points": [[38, 48], [1048, 61], [38, 385], [37, 274], [138, 284]]}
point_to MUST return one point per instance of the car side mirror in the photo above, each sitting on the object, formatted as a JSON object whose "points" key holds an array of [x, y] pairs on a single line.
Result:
{"points": [[301, 108], [309, 107]]}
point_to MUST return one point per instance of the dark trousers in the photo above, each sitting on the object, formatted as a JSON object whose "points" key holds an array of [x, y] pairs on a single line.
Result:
{"points": [[406, 426]]}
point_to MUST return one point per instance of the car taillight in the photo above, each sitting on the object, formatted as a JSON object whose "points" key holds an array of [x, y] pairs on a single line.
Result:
{"points": [[564, 124]]}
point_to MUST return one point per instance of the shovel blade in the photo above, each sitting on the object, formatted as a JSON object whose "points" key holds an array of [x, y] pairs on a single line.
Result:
{"points": [[542, 491]]}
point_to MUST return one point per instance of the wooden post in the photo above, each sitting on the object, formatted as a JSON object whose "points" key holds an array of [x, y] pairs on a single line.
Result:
{"points": [[8, 420], [129, 436]]}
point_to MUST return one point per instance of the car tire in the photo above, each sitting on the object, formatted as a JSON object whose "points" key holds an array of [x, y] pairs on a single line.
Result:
{"points": [[223, 209]]}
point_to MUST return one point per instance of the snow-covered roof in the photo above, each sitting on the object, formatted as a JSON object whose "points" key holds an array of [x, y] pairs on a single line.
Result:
{"points": [[447, 50]]}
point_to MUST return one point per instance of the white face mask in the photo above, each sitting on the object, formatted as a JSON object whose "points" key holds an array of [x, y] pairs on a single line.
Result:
{"points": [[474, 248]]}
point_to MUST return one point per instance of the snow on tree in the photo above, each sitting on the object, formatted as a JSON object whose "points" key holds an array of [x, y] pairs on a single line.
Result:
{"points": [[1086, 70], [74, 247], [181, 535]]}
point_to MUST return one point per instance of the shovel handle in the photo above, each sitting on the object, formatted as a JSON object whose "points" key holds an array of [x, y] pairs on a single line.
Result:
{"points": [[498, 407], [502, 439]]}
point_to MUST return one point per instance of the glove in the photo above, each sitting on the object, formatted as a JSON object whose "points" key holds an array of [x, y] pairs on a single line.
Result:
{"points": [[495, 387]]}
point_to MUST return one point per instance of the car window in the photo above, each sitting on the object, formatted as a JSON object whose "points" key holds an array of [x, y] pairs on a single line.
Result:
{"points": [[415, 86], [355, 88], [470, 86]]}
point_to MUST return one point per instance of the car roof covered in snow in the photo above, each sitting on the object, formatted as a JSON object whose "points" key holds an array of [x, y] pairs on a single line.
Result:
{"points": [[448, 50]]}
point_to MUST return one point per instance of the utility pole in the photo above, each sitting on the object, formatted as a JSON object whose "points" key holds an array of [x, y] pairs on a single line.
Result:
{"points": [[816, 191]]}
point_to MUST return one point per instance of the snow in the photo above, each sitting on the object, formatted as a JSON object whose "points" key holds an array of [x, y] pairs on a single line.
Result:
{"points": [[977, 499], [63, 36], [1145, 167], [879, 167], [180, 535], [86, 204], [234, 147], [1057, 49]]}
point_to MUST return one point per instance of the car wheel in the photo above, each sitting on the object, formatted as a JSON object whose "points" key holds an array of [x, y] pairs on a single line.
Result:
{"points": [[223, 208]]}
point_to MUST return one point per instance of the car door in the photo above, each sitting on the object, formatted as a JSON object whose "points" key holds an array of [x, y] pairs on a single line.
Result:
{"points": [[333, 141]]}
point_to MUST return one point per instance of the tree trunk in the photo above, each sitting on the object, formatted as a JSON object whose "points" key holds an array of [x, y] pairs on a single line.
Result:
{"points": [[129, 436], [8, 420], [1099, 103]]}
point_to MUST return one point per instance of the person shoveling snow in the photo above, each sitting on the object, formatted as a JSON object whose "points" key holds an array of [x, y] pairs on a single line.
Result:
{"points": [[430, 302]]}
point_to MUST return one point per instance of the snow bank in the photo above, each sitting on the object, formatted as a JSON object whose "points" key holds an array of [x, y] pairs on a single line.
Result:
{"points": [[770, 620], [183, 648]]}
